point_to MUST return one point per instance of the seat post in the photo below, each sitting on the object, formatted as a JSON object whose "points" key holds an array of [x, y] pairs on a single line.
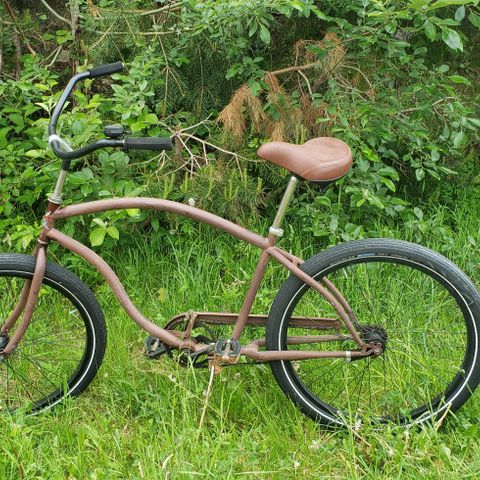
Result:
{"points": [[282, 209]]}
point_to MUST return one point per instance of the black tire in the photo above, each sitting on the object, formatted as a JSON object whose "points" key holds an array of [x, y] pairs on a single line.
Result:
{"points": [[430, 365], [64, 344]]}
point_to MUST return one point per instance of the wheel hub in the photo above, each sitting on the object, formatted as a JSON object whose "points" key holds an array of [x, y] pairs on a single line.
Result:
{"points": [[376, 335]]}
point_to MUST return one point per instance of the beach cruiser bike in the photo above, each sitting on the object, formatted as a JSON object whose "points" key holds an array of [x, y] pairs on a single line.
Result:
{"points": [[367, 331]]}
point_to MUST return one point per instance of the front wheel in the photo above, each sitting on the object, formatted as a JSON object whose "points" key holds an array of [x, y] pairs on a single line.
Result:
{"points": [[420, 306], [63, 345]]}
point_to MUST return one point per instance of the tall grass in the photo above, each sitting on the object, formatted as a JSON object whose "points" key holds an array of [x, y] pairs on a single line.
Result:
{"points": [[139, 418]]}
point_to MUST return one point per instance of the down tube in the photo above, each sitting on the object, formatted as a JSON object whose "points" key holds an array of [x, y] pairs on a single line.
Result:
{"points": [[93, 259]]}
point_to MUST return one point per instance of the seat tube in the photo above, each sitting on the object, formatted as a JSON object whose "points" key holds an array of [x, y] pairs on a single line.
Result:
{"points": [[276, 229], [251, 294]]}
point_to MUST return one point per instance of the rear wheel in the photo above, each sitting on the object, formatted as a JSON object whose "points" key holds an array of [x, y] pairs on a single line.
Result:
{"points": [[418, 305], [63, 345]]}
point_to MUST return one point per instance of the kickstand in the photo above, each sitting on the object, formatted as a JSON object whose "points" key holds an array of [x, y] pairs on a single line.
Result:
{"points": [[208, 393]]}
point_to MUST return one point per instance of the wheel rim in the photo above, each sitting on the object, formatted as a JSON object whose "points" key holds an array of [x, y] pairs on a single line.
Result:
{"points": [[429, 343], [53, 355]]}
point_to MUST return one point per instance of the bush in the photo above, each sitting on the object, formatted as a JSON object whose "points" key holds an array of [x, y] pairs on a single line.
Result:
{"points": [[396, 81]]}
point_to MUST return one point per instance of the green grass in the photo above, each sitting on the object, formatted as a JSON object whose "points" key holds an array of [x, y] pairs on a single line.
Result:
{"points": [[139, 418]]}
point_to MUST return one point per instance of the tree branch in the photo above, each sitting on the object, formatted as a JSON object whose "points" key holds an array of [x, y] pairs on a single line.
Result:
{"points": [[166, 8], [55, 14], [17, 27], [295, 68], [173, 7], [145, 34]]}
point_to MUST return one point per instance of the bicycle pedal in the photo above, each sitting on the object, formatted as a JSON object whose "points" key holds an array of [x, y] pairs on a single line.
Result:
{"points": [[154, 348], [227, 350]]}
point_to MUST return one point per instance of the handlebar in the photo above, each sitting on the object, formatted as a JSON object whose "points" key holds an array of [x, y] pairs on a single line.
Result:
{"points": [[108, 69], [60, 147]]}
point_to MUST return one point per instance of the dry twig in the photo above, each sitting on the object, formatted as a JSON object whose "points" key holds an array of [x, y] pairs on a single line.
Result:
{"points": [[17, 27], [56, 14]]}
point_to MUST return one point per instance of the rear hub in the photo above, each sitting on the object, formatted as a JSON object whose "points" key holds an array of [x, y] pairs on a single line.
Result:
{"points": [[376, 336]]}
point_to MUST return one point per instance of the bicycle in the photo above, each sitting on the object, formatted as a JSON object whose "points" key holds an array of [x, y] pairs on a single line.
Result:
{"points": [[374, 330]]}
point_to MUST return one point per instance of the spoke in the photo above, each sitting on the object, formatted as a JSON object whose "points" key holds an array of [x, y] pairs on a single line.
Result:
{"points": [[369, 386], [39, 367], [20, 376], [36, 339], [384, 372], [49, 360], [432, 369], [407, 286], [359, 383], [335, 368], [32, 343], [348, 384]]}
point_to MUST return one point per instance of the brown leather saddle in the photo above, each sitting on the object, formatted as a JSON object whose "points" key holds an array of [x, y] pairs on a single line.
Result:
{"points": [[320, 160]]}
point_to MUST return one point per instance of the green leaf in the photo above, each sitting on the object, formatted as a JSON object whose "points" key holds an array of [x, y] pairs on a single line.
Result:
{"points": [[449, 3], [333, 223], [151, 118], [374, 200], [265, 34], [418, 213], [459, 139], [443, 68], [452, 39], [233, 70], [420, 174], [97, 236], [298, 5], [388, 183], [363, 164], [113, 232], [389, 171], [460, 13], [136, 127], [319, 14], [99, 222], [475, 121], [35, 153], [459, 79], [252, 29], [430, 30], [79, 178], [474, 19], [17, 119], [255, 87], [133, 212]]}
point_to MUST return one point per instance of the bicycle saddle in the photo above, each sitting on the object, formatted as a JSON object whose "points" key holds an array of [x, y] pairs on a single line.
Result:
{"points": [[321, 160]]}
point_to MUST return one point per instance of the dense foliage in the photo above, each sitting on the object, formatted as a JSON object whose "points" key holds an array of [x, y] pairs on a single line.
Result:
{"points": [[397, 80]]}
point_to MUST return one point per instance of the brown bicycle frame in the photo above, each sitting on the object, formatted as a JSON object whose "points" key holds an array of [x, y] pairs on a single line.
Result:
{"points": [[29, 295]]}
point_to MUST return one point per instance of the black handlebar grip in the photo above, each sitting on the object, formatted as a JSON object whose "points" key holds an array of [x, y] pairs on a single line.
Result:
{"points": [[148, 143], [107, 69]]}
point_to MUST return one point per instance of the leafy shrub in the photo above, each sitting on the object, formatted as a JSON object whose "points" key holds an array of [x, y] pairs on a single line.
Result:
{"points": [[394, 80]]}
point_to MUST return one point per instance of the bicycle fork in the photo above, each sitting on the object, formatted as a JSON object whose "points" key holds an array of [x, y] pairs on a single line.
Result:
{"points": [[29, 295]]}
